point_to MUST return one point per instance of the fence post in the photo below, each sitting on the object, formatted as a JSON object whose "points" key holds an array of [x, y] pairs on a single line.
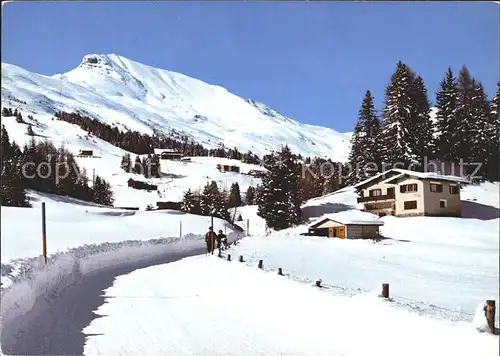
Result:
{"points": [[280, 271], [261, 263], [385, 290], [44, 234], [229, 257], [212, 221], [180, 229], [241, 258], [248, 227], [489, 312]]}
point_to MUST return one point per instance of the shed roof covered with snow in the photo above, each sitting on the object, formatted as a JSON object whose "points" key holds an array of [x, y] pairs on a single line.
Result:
{"points": [[349, 217]]}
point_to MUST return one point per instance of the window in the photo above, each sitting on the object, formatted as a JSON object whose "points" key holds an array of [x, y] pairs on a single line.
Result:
{"points": [[375, 192], [390, 192], [443, 203], [454, 189], [408, 188], [409, 205], [362, 193], [436, 188]]}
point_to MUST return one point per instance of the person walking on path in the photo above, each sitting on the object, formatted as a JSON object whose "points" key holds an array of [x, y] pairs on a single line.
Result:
{"points": [[221, 240], [210, 240]]}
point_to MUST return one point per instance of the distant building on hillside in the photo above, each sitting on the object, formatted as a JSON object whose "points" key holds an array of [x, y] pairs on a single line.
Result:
{"points": [[256, 173], [85, 153], [141, 185], [401, 192], [228, 168], [168, 205], [168, 153]]}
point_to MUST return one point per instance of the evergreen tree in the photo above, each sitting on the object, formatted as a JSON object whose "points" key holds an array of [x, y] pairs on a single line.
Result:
{"points": [[395, 134], [250, 196], [279, 201], [234, 196], [126, 163], [364, 157], [12, 182], [480, 129], [493, 137], [421, 127], [464, 121], [190, 203], [138, 168], [30, 130], [212, 202], [446, 105], [102, 193]]}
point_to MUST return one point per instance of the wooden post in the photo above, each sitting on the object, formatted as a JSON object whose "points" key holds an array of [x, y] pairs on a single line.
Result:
{"points": [[180, 229], [385, 290], [44, 234], [489, 312], [241, 258], [280, 271], [261, 263], [229, 257], [248, 227], [212, 221]]}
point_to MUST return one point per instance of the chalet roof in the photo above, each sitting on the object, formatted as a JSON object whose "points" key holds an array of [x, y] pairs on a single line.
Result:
{"points": [[159, 151], [349, 217], [396, 174]]}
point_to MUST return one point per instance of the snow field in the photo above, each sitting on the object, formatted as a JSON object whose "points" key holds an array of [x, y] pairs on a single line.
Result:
{"points": [[244, 311]]}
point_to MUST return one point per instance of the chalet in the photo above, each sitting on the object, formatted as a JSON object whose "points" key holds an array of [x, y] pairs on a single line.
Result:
{"points": [[140, 185], [168, 205], [350, 224], [167, 153], [401, 192], [85, 153], [256, 173], [228, 168]]}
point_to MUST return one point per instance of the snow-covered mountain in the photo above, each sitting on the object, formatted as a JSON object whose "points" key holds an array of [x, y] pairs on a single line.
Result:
{"points": [[138, 97]]}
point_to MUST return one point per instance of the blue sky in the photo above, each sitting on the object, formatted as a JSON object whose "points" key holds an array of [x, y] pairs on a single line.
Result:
{"points": [[312, 61]]}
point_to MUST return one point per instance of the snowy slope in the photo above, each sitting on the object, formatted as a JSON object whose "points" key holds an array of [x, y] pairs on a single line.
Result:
{"points": [[435, 265], [177, 176], [138, 97], [246, 312]]}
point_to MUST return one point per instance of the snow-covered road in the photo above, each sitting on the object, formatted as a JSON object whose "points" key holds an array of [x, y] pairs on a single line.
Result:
{"points": [[54, 325], [208, 306]]}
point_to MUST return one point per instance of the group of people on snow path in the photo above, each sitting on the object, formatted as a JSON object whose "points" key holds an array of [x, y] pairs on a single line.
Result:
{"points": [[211, 238]]}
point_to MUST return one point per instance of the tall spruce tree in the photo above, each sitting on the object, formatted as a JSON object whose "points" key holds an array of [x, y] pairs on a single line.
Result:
{"points": [[12, 182], [446, 122], [234, 199], [212, 202], [126, 163], [420, 125], [279, 199], [493, 137], [102, 193], [480, 128], [250, 196], [190, 203], [364, 157], [395, 133], [464, 121]]}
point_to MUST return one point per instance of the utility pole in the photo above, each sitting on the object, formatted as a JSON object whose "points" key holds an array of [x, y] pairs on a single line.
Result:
{"points": [[44, 234]]}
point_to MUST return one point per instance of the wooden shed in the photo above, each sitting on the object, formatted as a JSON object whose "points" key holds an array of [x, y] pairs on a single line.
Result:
{"points": [[168, 205], [348, 224]]}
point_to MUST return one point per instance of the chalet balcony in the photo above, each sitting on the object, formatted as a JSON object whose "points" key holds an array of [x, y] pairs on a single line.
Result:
{"points": [[376, 198]]}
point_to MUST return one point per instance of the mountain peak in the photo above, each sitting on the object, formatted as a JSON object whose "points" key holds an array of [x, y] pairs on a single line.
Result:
{"points": [[139, 97]]}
